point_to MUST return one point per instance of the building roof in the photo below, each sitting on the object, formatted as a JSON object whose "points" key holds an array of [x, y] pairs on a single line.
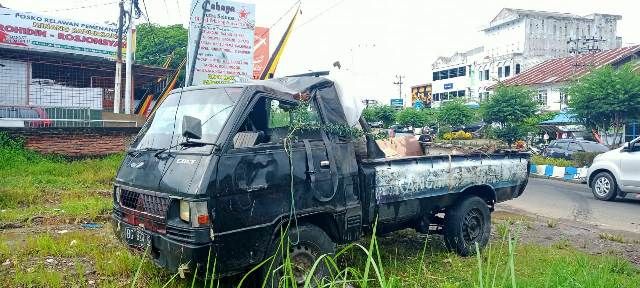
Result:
{"points": [[564, 69]]}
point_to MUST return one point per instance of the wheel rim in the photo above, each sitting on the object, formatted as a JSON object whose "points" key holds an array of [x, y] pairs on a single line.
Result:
{"points": [[302, 259], [472, 226], [602, 186]]}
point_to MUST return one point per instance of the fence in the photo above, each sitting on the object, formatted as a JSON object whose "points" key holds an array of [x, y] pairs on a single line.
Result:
{"points": [[69, 90], [41, 117]]}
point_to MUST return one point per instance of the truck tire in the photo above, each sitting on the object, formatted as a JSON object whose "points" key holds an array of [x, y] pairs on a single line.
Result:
{"points": [[305, 246], [467, 222], [604, 187]]}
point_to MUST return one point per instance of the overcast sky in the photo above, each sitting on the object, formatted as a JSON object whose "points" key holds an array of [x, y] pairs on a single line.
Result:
{"points": [[375, 39]]}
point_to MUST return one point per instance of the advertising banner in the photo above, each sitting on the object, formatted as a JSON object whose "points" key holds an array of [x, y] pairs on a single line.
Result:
{"points": [[260, 51], [226, 45], [46, 33]]}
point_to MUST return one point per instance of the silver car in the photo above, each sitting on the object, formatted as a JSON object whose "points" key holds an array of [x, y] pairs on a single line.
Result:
{"points": [[616, 173]]}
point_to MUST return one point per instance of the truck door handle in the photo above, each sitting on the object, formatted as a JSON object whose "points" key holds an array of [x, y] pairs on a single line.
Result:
{"points": [[324, 164]]}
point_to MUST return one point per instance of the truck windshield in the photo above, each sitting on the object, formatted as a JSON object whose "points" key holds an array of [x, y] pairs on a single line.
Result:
{"points": [[211, 106]]}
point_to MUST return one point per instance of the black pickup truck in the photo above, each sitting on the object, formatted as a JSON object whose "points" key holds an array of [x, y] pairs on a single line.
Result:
{"points": [[209, 173]]}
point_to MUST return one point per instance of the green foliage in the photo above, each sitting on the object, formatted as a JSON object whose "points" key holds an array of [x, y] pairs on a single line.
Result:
{"points": [[510, 133], [154, 43], [509, 105], [416, 118], [32, 184], [540, 160], [606, 98], [583, 159], [455, 114], [384, 113], [513, 109]]}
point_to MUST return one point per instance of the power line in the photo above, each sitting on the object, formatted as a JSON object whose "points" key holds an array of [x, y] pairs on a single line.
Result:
{"points": [[320, 14]]}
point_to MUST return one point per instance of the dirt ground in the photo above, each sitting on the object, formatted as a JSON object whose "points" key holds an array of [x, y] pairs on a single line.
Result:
{"points": [[584, 237]]}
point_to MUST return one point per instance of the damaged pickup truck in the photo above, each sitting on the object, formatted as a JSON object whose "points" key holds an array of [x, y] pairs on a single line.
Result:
{"points": [[218, 172]]}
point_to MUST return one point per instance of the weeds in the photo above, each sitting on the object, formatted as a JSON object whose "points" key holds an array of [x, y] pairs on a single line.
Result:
{"points": [[612, 237]]}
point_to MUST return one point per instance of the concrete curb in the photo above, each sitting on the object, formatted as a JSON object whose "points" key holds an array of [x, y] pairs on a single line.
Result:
{"points": [[566, 173], [574, 181]]}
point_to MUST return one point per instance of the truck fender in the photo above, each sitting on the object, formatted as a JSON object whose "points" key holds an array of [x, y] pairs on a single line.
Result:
{"points": [[484, 191]]}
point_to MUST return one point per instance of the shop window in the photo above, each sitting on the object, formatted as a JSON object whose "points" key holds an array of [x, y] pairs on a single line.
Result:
{"points": [[436, 76], [507, 71], [453, 72]]}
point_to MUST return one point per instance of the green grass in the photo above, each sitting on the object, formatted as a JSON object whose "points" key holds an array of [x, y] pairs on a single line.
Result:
{"points": [[35, 185]]}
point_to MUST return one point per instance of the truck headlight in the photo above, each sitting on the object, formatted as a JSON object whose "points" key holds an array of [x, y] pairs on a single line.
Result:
{"points": [[194, 213], [184, 210]]}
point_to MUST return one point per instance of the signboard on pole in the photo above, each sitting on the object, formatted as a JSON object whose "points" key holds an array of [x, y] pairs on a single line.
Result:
{"points": [[260, 51], [226, 46], [45, 33], [399, 102]]}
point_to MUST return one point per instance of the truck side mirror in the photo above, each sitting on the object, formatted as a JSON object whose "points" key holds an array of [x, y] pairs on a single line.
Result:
{"points": [[191, 127]]}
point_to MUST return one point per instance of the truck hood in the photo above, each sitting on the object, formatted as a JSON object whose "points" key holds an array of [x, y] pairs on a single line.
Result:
{"points": [[174, 174]]}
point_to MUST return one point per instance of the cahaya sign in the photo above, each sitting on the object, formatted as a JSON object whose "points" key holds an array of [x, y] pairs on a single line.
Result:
{"points": [[45, 33], [226, 44]]}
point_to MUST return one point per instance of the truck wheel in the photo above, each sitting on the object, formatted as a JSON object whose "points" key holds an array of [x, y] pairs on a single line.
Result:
{"points": [[467, 222], [604, 187], [305, 246]]}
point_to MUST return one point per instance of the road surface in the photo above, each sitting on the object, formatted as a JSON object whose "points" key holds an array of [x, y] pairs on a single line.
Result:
{"points": [[557, 199]]}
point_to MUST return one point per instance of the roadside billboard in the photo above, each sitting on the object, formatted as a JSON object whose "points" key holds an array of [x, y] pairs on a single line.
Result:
{"points": [[260, 51], [45, 33], [397, 102], [226, 45]]}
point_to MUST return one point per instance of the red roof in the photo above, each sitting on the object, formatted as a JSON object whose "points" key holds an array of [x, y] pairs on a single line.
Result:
{"points": [[564, 69]]}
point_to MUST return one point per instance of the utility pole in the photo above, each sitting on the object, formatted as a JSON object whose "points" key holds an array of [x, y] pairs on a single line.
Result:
{"points": [[194, 57], [399, 83], [128, 95], [118, 77]]}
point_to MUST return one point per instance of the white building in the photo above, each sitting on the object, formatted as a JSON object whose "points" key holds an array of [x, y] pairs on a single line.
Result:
{"points": [[550, 78], [514, 41]]}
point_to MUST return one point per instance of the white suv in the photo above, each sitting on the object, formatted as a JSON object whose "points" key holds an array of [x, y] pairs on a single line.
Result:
{"points": [[616, 173]]}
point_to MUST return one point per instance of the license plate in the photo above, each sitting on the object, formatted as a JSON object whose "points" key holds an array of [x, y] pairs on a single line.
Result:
{"points": [[136, 237]]}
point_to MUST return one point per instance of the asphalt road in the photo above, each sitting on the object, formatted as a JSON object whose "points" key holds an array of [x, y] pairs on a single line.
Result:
{"points": [[557, 199]]}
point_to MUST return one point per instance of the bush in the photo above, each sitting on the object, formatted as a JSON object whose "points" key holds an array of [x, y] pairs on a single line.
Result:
{"points": [[460, 135], [583, 159], [539, 160]]}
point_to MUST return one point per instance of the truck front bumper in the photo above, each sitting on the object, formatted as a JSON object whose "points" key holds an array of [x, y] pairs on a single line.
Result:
{"points": [[166, 252]]}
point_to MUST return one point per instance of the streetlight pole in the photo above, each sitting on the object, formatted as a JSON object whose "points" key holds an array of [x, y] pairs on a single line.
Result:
{"points": [[118, 77]]}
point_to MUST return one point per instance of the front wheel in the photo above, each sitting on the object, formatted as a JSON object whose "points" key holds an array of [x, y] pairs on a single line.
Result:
{"points": [[466, 223], [604, 187], [304, 246]]}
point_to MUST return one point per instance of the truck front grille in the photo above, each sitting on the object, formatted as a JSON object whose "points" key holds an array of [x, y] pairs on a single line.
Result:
{"points": [[155, 205]]}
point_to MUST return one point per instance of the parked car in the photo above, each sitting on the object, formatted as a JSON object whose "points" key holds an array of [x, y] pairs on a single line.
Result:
{"points": [[376, 124], [616, 172], [564, 148], [10, 116]]}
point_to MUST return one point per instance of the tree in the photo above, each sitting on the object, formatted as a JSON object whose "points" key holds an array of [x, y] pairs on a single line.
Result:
{"points": [[384, 113], [154, 43], [606, 99], [415, 118], [513, 109], [455, 114]]}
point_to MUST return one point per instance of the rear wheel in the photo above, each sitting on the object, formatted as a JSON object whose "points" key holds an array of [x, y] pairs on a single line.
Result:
{"points": [[604, 187], [305, 245], [466, 223]]}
